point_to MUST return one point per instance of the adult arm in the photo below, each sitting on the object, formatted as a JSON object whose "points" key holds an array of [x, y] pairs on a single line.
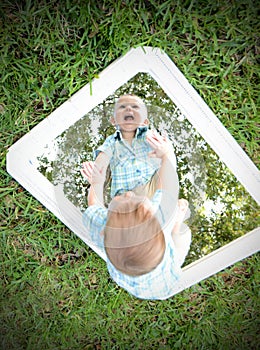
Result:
{"points": [[95, 174], [163, 149]]}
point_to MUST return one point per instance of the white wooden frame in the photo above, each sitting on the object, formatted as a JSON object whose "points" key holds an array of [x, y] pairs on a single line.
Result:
{"points": [[21, 157]]}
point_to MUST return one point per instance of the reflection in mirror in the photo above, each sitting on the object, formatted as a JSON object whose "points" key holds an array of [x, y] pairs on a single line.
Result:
{"points": [[221, 209]]}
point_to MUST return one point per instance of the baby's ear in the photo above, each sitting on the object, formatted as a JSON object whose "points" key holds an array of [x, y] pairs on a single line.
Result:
{"points": [[112, 121], [146, 122]]}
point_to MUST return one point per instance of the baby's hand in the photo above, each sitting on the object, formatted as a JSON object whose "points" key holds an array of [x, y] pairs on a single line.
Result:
{"points": [[161, 145], [93, 173]]}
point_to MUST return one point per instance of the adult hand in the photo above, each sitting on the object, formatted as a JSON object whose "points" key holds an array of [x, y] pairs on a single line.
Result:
{"points": [[94, 173], [161, 145]]}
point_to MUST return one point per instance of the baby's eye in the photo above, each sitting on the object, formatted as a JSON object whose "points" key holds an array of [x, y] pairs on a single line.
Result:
{"points": [[135, 106], [122, 106]]}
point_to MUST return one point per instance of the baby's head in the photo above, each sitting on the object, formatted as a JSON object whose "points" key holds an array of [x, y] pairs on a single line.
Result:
{"points": [[130, 112], [133, 237]]}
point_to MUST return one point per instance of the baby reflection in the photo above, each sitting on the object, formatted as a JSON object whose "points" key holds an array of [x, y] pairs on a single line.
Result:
{"points": [[141, 232]]}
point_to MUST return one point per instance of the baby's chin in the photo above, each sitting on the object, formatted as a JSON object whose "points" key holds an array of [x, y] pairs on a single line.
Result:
{"points": [[128, 127]]}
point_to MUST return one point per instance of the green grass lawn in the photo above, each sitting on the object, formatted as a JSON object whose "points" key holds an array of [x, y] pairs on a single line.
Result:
{"points": [[55, 291]]}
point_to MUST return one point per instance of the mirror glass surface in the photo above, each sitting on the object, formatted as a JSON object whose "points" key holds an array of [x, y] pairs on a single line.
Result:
{"points": [[221, 209]]}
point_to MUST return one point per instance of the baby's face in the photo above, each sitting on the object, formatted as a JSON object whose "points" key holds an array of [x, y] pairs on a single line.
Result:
{"points": [[130, 113]]}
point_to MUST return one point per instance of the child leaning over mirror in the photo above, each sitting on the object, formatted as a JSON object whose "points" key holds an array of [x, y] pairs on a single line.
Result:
{"points": [[127, 150], [144, 240]]}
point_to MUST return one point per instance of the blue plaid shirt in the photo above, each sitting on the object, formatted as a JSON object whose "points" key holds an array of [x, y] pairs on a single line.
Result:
{"points": [[160, 282], [130, 165]]}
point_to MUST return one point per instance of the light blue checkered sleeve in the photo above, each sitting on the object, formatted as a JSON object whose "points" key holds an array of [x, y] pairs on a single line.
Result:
{"points": [[157, 197], [94, 219], [107, 147]]}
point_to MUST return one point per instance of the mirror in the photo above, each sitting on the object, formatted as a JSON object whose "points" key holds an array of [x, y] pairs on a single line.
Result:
{"points": [[219, 180], [221, 208]]}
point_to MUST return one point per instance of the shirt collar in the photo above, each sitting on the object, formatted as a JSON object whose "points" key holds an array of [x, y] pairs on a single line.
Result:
{"points": [[140, 131]]}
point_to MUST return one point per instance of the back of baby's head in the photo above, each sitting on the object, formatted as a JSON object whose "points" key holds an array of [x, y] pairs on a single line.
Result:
{"points": [[134, 241]]}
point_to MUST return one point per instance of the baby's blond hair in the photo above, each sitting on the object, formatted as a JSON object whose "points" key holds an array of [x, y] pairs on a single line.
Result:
{"points": [[134, 241]]}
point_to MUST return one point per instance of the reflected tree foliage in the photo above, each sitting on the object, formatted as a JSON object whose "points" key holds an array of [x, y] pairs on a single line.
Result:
{"points": [[221, 209]]}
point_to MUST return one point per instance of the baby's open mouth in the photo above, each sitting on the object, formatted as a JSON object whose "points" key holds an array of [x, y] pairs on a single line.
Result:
{"points": [[128, 117]]}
